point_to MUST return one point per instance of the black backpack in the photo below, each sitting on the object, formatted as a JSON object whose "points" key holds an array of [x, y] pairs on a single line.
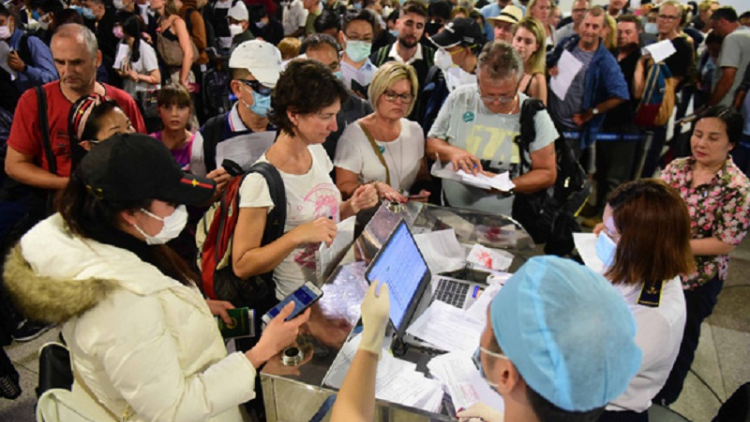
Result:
{"points": [[548, 215]]}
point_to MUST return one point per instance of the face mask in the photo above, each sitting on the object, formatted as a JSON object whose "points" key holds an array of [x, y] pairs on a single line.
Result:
{"points": [[358, 6], [43, 22], [394, 32], [651, 28], [4, 32], [260, 24], [358, 50], [118, 4], [443, 59], [235, 29], [605, 249], [478, 362], [339, 74], [88, 13], [261, 104], [117, 32], [172, 227]]}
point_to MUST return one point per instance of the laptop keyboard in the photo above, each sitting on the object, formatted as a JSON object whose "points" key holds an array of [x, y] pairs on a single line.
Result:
{"points": [[451, 292]]}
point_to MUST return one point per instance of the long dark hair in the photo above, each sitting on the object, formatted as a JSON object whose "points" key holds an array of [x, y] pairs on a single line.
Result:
{"points": [[132, 27], [93, 218]]}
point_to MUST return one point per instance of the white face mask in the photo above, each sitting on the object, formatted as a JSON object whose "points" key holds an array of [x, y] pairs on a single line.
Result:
{"points": [[443, 59], [172, 227], [4, 32], [235, 29], [118, 4]]}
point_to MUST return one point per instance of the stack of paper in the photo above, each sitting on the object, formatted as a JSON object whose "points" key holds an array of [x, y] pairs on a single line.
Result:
{"points": [[660, 51], [500, 182], [463, 381], [567, 69], [441, 250], [122, 57], [396, 381], [446, 327]]}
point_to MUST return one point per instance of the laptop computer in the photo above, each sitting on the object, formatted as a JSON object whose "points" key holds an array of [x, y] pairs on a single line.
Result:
{"points": [[412, 288]]}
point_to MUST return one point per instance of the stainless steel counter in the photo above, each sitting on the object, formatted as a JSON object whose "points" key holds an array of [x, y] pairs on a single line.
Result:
{"points": [[294, 394]]}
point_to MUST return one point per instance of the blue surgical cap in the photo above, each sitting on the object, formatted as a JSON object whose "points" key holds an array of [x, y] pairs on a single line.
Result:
{"points": [[568, 332]]}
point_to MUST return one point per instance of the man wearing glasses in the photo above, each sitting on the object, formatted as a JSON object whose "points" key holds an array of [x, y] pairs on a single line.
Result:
{"points": [[475, 132], [244, 133]]}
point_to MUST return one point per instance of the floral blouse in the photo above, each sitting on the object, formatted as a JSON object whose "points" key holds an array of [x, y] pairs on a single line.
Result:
{"points": [[718, 209]]}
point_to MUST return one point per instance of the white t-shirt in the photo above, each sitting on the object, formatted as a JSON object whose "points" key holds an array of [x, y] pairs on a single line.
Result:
{"points": [[403, 155], [294, 17], [658, 334], [465, 122], [146, 64], [308, 196]]}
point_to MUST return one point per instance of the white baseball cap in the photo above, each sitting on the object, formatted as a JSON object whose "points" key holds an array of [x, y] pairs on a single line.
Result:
{"points": [[238, 12], [260, 58]]}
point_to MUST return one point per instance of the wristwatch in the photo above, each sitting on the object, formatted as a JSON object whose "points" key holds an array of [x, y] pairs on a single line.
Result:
{"points": [[594, 111]]}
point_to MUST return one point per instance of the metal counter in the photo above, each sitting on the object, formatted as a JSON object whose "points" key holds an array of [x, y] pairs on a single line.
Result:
{"points": [[295, 394]]}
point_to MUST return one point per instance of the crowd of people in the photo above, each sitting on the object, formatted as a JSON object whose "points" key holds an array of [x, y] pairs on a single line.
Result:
{"points": [[123, 121]]}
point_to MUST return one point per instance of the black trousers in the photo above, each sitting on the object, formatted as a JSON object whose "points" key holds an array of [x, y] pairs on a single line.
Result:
{"points": [[700, 303], [615, 161], [626, 416]]}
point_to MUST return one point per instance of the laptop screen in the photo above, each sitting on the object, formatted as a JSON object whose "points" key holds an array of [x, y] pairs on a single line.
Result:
{"points": [[401, 266]]}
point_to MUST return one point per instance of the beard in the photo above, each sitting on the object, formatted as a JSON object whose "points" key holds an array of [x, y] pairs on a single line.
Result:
{"points": [[404, 41]]}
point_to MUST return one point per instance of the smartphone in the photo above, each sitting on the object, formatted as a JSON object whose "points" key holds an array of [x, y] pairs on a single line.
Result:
{"points": [[303, 298]]}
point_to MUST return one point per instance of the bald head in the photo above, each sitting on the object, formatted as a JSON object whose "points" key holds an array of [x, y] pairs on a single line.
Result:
{"points": [[80, 33]]}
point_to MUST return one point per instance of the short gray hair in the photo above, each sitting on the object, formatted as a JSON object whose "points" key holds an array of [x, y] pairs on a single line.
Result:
{"points": [[500, 61], [75, 30]]}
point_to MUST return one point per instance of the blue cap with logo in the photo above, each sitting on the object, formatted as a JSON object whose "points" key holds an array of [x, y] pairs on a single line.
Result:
{"points": [[568, 332]]}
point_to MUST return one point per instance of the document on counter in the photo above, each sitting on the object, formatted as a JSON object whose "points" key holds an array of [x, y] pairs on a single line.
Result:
{"points": [[463, 381], [328, 256], [447, 328], [123, 51], [244, 150], [478, 310], [441, 250], [396, 381], [492, 259], [500, 182], [567, 69], [660, 51], [586, 245]]}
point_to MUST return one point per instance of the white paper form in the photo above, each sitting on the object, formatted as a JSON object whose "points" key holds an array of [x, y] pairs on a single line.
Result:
{"points": [[567, 69], [660, 51], [244, 150], [493, 259], [463, 381], [4, 51], [441, 250], [446, 328], [326, 257], [500, 182], [586, 245], [123, 51], [478, 310]]}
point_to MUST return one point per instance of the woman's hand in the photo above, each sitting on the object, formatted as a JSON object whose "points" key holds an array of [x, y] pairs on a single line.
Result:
{"points": [[598, 228], [388, 193], [463, 160], [321, 230], [364, 197], [278, 335], [375, 313], [219, 308]]}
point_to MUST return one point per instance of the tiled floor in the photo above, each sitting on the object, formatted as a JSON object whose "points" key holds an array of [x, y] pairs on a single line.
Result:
{"points": [[722, 362]]}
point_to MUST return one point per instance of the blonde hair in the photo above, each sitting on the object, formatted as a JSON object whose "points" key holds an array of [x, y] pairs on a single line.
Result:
{"points": [[537, 61], [533, 3], [610, 42], [387, 75], [706, 4], [289, 47], [170, 8]]}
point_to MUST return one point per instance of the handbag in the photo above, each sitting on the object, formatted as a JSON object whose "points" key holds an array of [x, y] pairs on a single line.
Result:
{"points": [[171, 51]]}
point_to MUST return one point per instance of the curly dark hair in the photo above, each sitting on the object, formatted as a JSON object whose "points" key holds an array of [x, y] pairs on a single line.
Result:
{"points": [[305, 87]]}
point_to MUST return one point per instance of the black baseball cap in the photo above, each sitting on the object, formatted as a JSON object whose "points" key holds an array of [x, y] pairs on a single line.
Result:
{"points": [[464, 31], [132, 167], [725, 12]]}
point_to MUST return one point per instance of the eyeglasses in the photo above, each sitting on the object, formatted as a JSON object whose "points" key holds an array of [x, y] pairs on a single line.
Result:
{"points": [[478, 362], [391, 97], [499, 99], [668, 17], [257, 87]]}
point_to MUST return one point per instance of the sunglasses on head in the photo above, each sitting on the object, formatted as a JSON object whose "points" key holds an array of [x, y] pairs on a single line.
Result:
{"points": [[257, 87]]}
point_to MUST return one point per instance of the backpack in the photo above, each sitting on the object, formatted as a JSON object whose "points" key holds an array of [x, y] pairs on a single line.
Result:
{"points": [[215, 92], [214, 236], [208, 26], [657, 104], [547, 216]]}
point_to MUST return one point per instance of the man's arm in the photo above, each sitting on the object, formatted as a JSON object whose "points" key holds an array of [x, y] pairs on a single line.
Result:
{"points": [[723, 86], [42, 69], [22, 168], [603, 107], [543, 171]]}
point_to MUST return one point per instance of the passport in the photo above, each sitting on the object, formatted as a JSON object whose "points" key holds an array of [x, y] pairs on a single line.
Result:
{"points": [[243, 324]]}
